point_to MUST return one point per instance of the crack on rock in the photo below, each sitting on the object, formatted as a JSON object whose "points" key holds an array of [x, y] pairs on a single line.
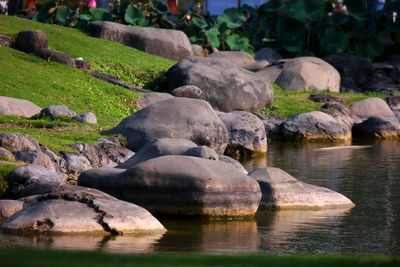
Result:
{"points": [[43, 226]]}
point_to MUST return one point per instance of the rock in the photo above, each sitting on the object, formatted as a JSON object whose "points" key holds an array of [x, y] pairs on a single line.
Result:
{"points": [[267, 54], [17, 107], [358, 68], [36, 157], [271, 72], [347, 85], [181, 185], [32, 180], [73, 209], [246, 132], [225, 87], [151, 98], [280, 190], [109, 140], [58, 162], [87, 117], [179, 117], [393, 102], [18, 142], [197, 50], [53, 55], [202, 152], [378, 127], [170, 44], [75, 163], [5, 41], [233, 162], [30, 41], [57, 110], [8, 208], [82, 64], [190, 91], [256, 66], [397, 113], [372, 106], [308, 73], [5, 154], [315, 125], [116, 153], [322, 98], [237, 58], [96, 156], [272, 124], [339, 112], [113, 79]]}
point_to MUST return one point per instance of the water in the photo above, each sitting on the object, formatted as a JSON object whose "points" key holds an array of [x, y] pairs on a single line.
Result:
{"points": [[370, 176]]}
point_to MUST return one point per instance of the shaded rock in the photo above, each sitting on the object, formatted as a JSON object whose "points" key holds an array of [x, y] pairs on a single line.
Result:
{"points": [[197, 50], [272, 124], [170, 44], [325, 98], [202, 152], [18, 142], [75, 163], [397, 113], [57, 110], [32, 180], [151, 98], [238, 58], [281, 190], [347, 85], [5, 41], [181, 185], [372, 106], [308, 73], [53, 55], [379, 127], [116, 153], [4, 153], [225, 87], [190, 91], [17, 107], [87, 117], [73, 209], [82, 64], [271, 72], [393, 102], [246, 132], [233, 162], [256, 66], [267, 54], [315, 125], [358, 68], [36, 157], [96, 156], [30, 41], [8, 208], [339, 112], [57, 161], [179, 117], [113, 79]]}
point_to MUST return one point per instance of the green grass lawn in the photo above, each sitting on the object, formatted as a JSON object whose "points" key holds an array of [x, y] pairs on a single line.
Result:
{"points": [[34, 257]]}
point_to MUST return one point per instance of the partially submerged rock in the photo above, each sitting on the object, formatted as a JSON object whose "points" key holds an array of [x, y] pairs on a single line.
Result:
{"points": [[280, 190], [17, 107], [378, 127]]}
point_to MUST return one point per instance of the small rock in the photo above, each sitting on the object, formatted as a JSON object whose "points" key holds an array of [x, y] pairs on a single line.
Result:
{"points": [[151, 98], [18, 142], [30, 41], [8, 208], [4, 153], [53, 55], [5, 40], [17, 107], [36, 157], [96, 156], [58, 162], [82, 64], [325, 98], [87, 117], [75, 163], [57, 110], [197, 50], [267, 54], [339, 112], [189, 91], [237, 58], [378, 127]]}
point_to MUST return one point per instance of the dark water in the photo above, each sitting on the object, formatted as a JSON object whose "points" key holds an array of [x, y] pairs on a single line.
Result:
{"points": [[370, 176]]}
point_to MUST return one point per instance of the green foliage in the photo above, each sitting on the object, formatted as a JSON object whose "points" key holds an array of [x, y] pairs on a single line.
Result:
{"points": [[5, 170]]}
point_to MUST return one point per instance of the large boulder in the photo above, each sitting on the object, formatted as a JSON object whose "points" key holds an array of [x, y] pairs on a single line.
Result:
{"points": [[308, 73], [234, 57], [378, 127], [358, 68], [246, 132], [54, 55], [30, 41], [17, 107], [225, 86], [151, 98], [179, 117], [170, 44], [181, 185], [281, 190], [18, 142], [373, 106], [315, 125], [73, 209]]}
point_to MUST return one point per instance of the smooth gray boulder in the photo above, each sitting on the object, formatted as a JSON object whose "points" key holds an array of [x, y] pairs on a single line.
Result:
{"points": [[54, 55], [8, 208], [238, 58], [181, 186], [267, 54], [87, 117], [150, 98], [179, 117], [33, 179], [18, 142], [373, 106], [57, 110], [29, 41], [5, 154], [190, 91], [170, 44], [378, 127], [315, 125], [36, 157], [225, 86], [308, 73], [73, 209], [280, 190], [246, 133], [17, 107]]}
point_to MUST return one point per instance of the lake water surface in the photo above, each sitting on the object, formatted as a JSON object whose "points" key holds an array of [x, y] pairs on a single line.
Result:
{"points": [[370, 176]]}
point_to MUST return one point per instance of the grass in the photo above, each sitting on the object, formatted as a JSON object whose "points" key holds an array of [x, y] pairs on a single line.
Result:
{"points": [[5, 169], [35, 257]]}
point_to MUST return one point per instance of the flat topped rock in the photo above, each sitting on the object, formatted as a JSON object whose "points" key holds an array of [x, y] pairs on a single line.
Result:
{"points": [[281, 190], [75, 209], [17, 107], [181, 186]]}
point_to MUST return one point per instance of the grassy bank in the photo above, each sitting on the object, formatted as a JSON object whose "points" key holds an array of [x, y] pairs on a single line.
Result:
{"points": [[34, 257]]}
